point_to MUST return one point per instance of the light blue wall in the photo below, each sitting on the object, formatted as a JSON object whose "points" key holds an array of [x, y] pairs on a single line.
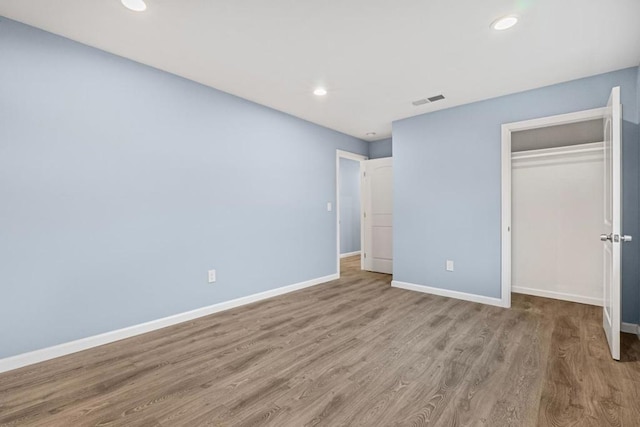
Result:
{"points": [[630, 210], [447, 185], [638, 213], [349, 206], [380, 149], [121, 185]]}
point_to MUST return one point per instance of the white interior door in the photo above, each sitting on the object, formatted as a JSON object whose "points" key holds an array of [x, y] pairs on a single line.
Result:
{"points": [[377, 196], [611, 236]]}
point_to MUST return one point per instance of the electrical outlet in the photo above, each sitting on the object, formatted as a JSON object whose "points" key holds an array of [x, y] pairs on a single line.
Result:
{"points": [[449, 265], [329, 207], [212, 276]]}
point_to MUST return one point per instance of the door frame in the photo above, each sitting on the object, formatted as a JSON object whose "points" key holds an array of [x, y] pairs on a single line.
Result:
{"points": [[505, 219], [340, 154]]}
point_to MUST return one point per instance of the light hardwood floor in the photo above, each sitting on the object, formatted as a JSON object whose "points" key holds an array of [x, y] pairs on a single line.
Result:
{"points": [[351, 352]]}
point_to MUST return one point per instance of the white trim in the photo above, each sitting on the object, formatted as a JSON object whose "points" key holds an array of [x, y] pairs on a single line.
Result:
{"points": [[358, 158], [447, 293], [351, 156], [505, 220], [560, 119], [348, 254], [630, 328], [505, 228], [363, 209], [25, 359], [557, 295]]}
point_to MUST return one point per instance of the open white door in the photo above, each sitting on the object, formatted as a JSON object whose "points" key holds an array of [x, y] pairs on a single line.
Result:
{"points": [[377, 194], [612, 236]]}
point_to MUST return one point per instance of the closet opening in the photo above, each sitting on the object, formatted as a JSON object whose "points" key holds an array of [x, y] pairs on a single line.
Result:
{"points": [[557, 199]]}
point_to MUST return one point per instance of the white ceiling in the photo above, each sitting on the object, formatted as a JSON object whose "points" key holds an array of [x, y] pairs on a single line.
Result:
{"points": [[374, 56]]}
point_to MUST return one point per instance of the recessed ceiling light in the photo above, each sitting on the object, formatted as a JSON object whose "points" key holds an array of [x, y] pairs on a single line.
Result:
{"points": [[135, 5], [504, 23], [320, 91], [371, 134]]}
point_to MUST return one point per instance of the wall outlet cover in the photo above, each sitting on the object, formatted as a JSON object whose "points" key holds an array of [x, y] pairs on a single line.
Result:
{"points": [[449, 265]]}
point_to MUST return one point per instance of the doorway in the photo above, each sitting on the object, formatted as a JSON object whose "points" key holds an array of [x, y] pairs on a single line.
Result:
{"points": [[611, 236], [364, 211], [508, 131], [349, 209], [557, 197]]}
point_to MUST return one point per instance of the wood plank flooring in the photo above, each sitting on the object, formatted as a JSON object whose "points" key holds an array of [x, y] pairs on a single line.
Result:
{"points": [[353, 352]]}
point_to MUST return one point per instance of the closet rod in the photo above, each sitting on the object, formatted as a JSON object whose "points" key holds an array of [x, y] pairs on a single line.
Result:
{"points": [[515, 156]]}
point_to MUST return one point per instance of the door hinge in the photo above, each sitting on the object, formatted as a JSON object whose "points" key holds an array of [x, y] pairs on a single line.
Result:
{"points": [[365, 254], [365, 214]]}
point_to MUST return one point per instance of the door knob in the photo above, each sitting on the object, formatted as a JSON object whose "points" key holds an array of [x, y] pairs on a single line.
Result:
{"points": [[615, 238]]}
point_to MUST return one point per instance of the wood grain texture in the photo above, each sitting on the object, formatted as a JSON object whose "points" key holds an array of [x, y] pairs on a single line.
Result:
{"points": [[353, 352]]}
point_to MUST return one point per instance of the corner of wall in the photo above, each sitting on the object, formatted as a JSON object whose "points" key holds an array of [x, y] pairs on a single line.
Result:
{"points": [[638, 94], [381, 148]]}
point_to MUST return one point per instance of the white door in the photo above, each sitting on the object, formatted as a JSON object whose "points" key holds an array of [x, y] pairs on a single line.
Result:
{"points": [[377, 215], [611, 236]]}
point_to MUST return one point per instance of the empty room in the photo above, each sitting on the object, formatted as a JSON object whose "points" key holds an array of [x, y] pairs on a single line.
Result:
{"points": [[336, 213]]}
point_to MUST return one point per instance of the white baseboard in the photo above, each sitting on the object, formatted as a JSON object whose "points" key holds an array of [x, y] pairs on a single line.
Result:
{"points": [[25, 359], [348, 254], [447, 293], [557, 295], [630, 328]]}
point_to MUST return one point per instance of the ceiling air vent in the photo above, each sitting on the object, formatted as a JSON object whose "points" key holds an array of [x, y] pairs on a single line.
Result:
{"points": [[428, 100]]}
